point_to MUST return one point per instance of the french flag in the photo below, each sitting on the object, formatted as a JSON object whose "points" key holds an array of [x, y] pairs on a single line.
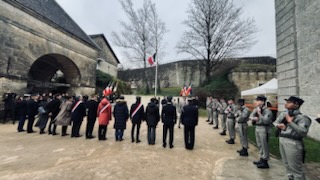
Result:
{"points": [[152, 59]]}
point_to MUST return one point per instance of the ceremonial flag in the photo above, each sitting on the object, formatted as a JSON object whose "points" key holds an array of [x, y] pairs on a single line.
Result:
{"points": [[152, 59]]}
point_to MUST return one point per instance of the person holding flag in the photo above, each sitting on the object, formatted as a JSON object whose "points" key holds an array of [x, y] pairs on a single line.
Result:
{"points": [[104, 116], [136, 116]]}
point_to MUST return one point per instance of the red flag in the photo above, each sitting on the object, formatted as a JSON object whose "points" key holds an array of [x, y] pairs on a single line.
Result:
{"points": [[152, 59]]}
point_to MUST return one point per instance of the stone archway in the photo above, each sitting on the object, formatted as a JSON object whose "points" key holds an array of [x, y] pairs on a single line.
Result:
{"points": [[53, 73]]}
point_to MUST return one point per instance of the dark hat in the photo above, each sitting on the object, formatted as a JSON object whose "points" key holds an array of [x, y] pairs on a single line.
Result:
{"points": [[261, 98], [35, 94], [121, 97], [191, 98], [230, 98], [295, 100], [138, 98], [241, 101], [26, 95], [169, 98]]}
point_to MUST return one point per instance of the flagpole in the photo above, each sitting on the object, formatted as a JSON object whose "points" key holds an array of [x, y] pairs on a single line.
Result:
{"points": [[156, 80]]}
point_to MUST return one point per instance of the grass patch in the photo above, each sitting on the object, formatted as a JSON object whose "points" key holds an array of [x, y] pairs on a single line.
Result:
{"points": [[312, 146], [202, 112]]}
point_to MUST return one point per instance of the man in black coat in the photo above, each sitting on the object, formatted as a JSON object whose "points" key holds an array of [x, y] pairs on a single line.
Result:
{"points": [[78, 112], [32, 111], [136, 116], [9, 106], [121, 115], [53, 107], [92, 106], [22, 112], [189, 119], [152, 118], [169, 119]]}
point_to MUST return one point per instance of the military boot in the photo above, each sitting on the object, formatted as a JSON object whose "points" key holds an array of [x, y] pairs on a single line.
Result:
{"points": [[244, 152], [257, 162], [230, 141], [263, 165], [223, 133], [238, 151]]}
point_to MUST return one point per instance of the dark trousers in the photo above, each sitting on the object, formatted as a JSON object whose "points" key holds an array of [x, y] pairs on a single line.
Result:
{"points": [[22, 119], [151, 134], [138, 131], [30, 124], [119, 134], [76, 128], [52, 127], [90, 126], [64, 130], [165, 132], [102, 131], [189, 136], [6, 113]]}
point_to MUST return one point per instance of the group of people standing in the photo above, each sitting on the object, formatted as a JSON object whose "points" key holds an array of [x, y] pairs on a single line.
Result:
{"points": [[63, 110], [291, 126]]}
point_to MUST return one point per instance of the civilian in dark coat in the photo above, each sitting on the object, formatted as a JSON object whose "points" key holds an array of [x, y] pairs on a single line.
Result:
{"points": [[92, 106], [53, 107], [32, 111], [136, 116], [152, 117], [121, 115], [21, 108], [9, 106], [189, 118], [78, 112], [169, 119]]}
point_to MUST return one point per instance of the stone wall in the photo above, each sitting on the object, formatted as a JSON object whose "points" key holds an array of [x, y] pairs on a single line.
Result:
{"points": [[176, 74], [24, 39], [107, 62], [298, 54]]}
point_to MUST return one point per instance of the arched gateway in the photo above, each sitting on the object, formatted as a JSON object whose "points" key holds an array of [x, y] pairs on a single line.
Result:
{"points": [[42, 49], [53, 73]]}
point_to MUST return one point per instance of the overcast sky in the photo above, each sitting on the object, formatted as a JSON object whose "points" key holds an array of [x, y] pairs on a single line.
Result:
{"points": [[103, 16]]}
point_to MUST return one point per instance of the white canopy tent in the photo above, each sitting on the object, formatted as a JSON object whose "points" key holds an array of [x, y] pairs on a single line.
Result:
{"points": [[270, 87]]}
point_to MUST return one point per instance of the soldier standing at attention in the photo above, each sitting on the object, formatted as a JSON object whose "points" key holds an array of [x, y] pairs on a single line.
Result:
{"points": [[242, 117], [293, 128], [231, 122], [209, 105], [215, 113], [189, 119], [136, 116], [169, 119], [222, 107], [262, 117]]}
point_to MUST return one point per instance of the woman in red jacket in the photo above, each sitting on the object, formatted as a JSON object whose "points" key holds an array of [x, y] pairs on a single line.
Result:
{"points": [[104, 116]]}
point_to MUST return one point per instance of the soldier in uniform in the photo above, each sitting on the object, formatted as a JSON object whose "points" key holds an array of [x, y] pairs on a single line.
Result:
{"points": [[222, 107], [242, 117], [32, 111], [293, 128], [136, 116], [209, 105], [169, 119], [231, 122], [215, 113], [189, 119], [262, 117]]}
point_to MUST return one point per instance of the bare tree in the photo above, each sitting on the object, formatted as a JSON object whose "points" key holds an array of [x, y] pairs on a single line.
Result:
{"points": [[215, 32], [141, 35]]}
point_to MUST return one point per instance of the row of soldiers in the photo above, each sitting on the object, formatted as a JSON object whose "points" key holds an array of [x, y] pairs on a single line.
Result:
{"points": [[291, 127]]}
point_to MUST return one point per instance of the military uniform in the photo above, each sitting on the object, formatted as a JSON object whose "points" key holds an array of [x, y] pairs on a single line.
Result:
{"points": [[242, 117], [223, 117], [290, 141], [263, 128], [169, 119], [189, 119], [209, 105], [215, 113], [230, 112]]}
